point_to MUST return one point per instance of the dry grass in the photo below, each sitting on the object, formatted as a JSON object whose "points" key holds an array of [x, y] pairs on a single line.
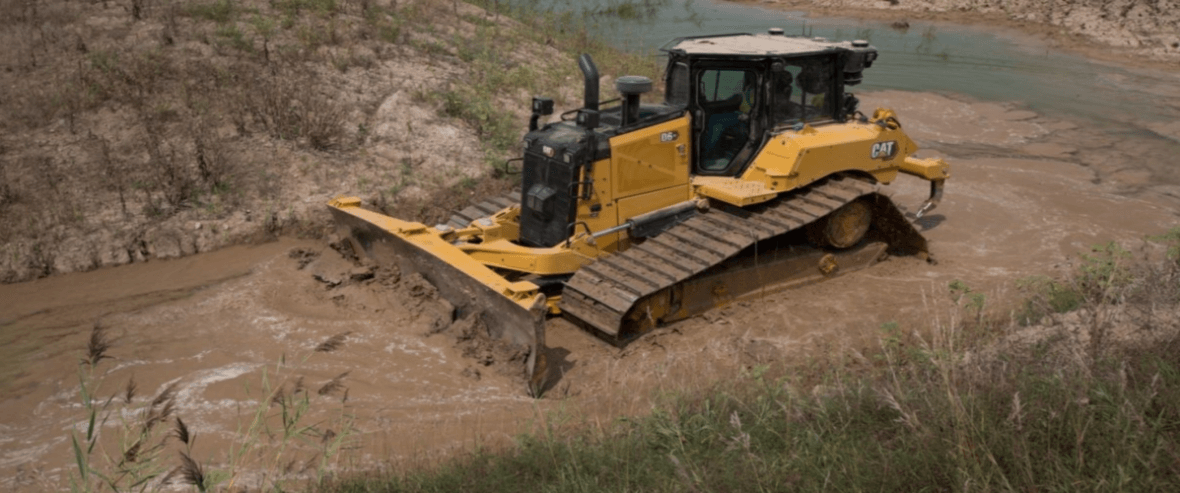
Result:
{"points": [[123, 125]]}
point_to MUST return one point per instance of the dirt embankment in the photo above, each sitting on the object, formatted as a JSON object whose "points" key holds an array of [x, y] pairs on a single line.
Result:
{"points": [[148, 130], [1145, 29]]}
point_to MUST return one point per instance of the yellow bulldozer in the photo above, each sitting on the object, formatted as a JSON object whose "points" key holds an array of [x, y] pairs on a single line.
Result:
{"points": [[756, 173]]}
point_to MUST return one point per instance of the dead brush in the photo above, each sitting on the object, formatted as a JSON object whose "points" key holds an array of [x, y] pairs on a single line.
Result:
{"points": [[173, 180], [113, 170], [287, 104], [213, 164], [8, 194]]}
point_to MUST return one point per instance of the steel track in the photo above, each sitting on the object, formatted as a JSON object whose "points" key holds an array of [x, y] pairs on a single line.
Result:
{"points": [[605, 292]]}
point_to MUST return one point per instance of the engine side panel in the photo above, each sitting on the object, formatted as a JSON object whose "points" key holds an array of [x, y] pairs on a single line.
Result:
{"points": [[650, 159]]}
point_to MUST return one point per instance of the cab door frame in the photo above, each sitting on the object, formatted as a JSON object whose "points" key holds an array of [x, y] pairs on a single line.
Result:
{"points": [[715, 111]]}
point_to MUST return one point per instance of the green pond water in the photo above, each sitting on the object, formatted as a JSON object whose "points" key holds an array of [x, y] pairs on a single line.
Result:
{"points": [[1126, 105], [938, 57]]}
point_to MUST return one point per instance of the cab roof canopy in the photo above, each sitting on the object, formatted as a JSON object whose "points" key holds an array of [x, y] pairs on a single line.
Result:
{"points": [[757, 45]]}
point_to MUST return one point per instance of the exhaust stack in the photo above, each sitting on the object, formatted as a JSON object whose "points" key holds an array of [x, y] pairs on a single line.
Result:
{"points": [[590, 76]]}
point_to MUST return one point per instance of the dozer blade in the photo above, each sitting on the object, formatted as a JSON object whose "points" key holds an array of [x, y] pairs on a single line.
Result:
{"points": [[511, 311]]}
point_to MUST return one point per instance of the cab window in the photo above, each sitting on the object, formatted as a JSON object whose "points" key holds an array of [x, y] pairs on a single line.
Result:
{"points": [[722, 85], [727, 98], [802, 92]]}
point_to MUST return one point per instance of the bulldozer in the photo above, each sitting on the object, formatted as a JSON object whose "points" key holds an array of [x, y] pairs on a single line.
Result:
{"points": [[757, 172]]}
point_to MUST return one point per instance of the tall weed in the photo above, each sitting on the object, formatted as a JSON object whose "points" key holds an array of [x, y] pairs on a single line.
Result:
{"points": [[131, 457], [124, 444]]}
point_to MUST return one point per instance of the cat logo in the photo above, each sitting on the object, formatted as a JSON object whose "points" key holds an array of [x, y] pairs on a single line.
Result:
{"points": [[669, 136], [884, 150]]}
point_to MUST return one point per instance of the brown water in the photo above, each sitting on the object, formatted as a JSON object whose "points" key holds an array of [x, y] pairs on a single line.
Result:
{"points": [[1027, 195]]}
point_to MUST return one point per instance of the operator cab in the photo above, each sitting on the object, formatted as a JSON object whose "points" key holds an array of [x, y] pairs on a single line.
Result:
{"points": [[743, 88]]}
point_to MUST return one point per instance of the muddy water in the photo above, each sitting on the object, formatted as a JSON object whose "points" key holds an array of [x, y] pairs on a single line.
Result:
{"points": [[219, 325]]}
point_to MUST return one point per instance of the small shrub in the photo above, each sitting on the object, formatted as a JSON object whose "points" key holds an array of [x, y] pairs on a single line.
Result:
{"points": [[294, 8], [390, 32], [1172, 240], [104, 61], [220, 11], [235, 38], [1044, 296], [213, 165], [969, 299], [493, 123], [1104, 269], [169, 172]]}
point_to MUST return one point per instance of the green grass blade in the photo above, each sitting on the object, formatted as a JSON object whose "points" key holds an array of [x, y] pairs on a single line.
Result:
{"points": [[79, 459]]}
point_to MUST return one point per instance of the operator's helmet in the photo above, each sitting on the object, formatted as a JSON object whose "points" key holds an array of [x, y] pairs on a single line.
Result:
{"points": [[814, 79], [782, 83]]}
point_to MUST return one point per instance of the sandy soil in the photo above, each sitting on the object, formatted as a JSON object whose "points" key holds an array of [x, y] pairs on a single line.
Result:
{"points": [[1023, 200]]}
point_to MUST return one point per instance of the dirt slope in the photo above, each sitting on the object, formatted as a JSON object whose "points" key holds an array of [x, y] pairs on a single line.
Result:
{"points": [[129, 134]]}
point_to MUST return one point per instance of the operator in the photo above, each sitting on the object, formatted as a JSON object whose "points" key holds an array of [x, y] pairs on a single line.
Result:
{"points": [[719, 150], [785, 110], [815, 82]]}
